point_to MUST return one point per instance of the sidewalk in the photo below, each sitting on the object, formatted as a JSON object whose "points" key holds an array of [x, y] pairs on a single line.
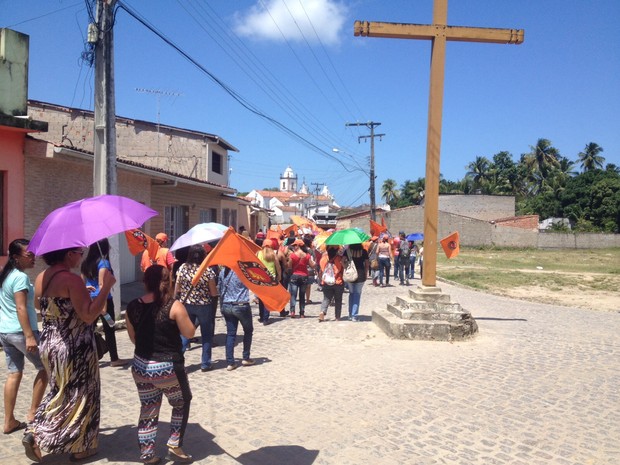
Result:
{"points": [[539, 384]]}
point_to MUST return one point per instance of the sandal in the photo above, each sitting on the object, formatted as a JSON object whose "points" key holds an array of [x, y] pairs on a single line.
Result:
{"points": [[178, 456], [30, 447]]}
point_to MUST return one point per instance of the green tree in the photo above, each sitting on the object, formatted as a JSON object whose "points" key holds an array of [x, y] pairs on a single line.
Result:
{"points": [[540, 162], [389, 192], [590, 158], [479, 172]]}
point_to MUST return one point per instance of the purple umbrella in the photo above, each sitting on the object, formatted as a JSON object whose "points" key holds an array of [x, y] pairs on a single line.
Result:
{"points": [[84, 222]]}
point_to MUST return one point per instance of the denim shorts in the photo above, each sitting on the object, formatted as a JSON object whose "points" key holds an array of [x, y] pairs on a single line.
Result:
{"points": [[14, 345]]}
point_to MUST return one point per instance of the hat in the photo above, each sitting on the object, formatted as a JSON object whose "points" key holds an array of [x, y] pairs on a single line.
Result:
{"points": [[271, 242], [298, 242], [401, 232], [161, 237]]}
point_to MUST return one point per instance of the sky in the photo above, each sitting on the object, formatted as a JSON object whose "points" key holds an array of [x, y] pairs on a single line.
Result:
{"points": [[282, 79]]}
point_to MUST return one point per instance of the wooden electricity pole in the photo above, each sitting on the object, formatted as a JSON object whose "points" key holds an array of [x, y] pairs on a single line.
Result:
{"points": [[438, 33], [370, 125], [104, 174]]}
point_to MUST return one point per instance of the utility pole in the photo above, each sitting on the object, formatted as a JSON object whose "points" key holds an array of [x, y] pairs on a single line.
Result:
{"points": [[371, 125], [104, 169], [104, 175]]}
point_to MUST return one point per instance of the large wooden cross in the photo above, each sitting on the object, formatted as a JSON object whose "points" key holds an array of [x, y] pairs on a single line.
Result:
{"points": [[438, 33]]}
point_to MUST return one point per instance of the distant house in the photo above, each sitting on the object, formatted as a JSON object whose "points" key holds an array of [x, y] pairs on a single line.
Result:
{"points": [[320, 207]]}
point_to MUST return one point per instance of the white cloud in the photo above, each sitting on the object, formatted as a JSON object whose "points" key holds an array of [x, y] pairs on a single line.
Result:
{"points": [[270, 19]]}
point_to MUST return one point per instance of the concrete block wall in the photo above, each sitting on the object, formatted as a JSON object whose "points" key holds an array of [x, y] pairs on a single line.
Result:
{"points": [[479, 233], [183, 152], [482, 207]]}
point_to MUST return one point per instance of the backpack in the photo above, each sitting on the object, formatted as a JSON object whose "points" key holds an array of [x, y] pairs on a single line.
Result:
{"points": [[405, 250], [350, 272], [329, 276]]}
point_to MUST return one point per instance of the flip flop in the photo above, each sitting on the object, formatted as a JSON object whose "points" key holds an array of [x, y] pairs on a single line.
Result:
{"points": [[30, 447], [20, 426]]}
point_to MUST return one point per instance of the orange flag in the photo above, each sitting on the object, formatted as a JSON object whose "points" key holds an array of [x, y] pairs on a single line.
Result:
{"points": [[376, 229], [138, 242], [292, 227], [450, 245], [237, 253]]}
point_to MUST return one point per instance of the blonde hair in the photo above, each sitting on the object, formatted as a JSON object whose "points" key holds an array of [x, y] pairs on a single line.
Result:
{"points": [[268, 254]]}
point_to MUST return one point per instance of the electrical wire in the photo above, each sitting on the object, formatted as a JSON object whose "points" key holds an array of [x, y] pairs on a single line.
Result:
{"points": [[230, 91]]}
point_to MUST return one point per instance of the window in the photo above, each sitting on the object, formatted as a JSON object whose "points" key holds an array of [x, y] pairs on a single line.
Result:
{"points": [[208, 216], [176, 221], [216, 162], [229, 217]]}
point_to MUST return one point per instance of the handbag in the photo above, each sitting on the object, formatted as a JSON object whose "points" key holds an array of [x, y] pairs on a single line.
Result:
{"points": [[350, 272], [102, 345], [374, 264]]}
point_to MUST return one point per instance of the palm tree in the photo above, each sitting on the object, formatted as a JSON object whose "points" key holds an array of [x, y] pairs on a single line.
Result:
{"points": [[478, 171], [388, 191], [590, 158], [540, 163]]}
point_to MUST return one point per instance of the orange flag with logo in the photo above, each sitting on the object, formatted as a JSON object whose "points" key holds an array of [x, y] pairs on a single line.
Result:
{"points": [[376, 229], [450, 245], [238, 254], [138, 242]]}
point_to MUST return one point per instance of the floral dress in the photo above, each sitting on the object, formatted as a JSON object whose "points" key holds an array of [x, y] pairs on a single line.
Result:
{"points": [[67, 419]]}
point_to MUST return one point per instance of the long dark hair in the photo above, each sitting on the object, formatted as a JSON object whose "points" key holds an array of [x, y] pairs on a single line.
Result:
{"points": [[196, 254], [157, 280], [56, 256], [98, 251], [15, 248]]}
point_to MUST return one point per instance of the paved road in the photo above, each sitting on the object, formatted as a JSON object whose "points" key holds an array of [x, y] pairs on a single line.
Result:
{"points": [[539, 385]]}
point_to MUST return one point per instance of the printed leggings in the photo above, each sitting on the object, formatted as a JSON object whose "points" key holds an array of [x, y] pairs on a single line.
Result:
{"points": [[153, 380]]}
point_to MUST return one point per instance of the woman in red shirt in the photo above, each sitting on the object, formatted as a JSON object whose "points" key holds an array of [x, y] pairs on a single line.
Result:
{"points": [[299, 260]]}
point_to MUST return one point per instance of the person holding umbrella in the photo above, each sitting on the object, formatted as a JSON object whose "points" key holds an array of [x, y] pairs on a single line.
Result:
{"points": [[198, 301], [67, 419], [359, 256]]}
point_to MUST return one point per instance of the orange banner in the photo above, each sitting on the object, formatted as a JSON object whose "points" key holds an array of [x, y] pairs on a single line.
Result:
{"points": [[237, 253], [376, 229], [138, 242], [450, 245]]}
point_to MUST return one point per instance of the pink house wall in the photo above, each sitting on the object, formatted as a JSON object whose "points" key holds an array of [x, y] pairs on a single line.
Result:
{"points": [[12, 167]]}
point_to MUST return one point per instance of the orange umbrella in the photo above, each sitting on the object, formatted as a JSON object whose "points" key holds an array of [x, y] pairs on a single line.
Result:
{"points": [[319, 240]]}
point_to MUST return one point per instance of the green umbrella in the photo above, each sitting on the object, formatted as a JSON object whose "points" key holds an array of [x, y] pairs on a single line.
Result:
{"points": [[347, 236]]}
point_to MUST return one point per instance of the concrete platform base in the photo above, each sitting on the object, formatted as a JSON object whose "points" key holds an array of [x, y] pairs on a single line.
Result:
{"points": [[426, 314]]}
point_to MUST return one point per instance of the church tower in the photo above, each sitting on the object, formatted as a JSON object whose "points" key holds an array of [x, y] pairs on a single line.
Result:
{"points": [[288, 180]]}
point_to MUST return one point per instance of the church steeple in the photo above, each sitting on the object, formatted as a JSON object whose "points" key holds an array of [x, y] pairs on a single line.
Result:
{"points": [[288, 180]]}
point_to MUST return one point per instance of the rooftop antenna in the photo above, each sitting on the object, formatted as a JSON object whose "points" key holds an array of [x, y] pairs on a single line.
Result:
{"points": [[158, 93]]}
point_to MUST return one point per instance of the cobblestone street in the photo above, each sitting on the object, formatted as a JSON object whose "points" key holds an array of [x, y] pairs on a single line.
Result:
{"points": [[539, 384]]}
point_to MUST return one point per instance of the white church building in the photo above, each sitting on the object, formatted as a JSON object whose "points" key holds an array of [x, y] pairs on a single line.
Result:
{"points": [[291, 199]]}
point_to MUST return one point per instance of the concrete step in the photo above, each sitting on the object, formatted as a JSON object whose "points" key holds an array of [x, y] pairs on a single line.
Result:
{"points": [[426, 314], [422, 330], [410, 304], [429, 294]]}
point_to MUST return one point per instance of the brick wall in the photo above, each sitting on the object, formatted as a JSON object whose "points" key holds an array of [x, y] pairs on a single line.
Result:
{"points": [[474, 232], [176, 150], [482, 207], [524, 222]]}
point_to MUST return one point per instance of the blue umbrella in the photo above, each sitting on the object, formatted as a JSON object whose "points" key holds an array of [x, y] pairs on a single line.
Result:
{"points": [[415, 237]]}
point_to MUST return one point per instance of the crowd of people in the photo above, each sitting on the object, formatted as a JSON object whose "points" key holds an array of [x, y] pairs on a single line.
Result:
{"points": [[161, 324]]}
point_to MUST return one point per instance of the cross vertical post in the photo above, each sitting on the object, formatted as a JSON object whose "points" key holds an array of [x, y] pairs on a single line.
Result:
{"points": [[438, 33]]}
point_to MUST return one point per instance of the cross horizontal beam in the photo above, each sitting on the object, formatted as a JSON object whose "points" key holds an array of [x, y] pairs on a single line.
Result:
{"points": [[431, 31]]}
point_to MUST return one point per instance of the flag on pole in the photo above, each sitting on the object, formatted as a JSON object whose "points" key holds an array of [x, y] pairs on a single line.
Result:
{"points": [[239, 254], [450, 245], [376, 229], [138, 242]]}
